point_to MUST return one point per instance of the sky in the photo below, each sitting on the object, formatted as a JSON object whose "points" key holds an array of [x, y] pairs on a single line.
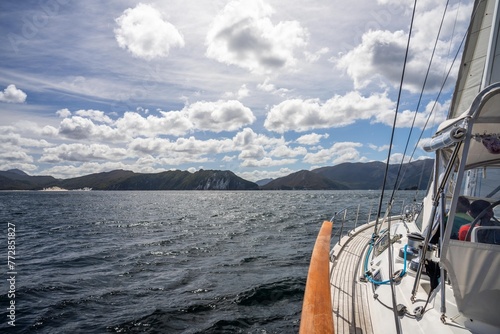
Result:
{"points": [[263, 88]]}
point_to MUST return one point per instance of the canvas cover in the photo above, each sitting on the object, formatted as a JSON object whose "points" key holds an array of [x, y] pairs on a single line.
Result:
{"points": [[474, 271]]}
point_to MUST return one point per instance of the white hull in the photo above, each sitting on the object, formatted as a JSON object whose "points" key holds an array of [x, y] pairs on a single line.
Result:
{"points": [[361, 307]]}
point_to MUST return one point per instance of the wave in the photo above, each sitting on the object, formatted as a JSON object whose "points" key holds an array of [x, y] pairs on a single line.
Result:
{"points": [[227, 314], [271, 293]]}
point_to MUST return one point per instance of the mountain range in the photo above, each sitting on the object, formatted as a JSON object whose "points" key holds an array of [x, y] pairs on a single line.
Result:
{"points": [[340, 177], [128, 180], [357, 176]]}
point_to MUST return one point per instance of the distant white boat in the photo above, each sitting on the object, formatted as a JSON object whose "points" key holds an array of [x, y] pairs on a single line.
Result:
{"points": [[55, 188], [412, 272], [83, 189]]}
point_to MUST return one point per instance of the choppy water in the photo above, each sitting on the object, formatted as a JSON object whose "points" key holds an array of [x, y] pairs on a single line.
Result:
{"points": [[162, 262]]}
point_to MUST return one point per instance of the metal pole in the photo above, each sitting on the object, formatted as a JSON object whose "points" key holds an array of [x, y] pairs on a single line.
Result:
{"points": [[357, 215], [342, 226], [435, 203], [443, 271]]}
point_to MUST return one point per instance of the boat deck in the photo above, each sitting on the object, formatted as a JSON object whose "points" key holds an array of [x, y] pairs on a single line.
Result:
{"points": [[350, 296]]}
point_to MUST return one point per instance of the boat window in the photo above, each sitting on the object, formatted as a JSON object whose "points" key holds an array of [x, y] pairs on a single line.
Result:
{"points": [[462, 215], [496, 212], [486, 226], [482, 182], [488, 235], [419, 220]]}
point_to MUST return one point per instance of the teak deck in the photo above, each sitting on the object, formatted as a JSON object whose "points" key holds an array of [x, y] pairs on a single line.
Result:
{"points": [[349, 295]]}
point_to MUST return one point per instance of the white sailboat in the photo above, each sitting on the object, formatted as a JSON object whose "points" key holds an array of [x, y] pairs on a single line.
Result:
{"points": [[410, 273]]}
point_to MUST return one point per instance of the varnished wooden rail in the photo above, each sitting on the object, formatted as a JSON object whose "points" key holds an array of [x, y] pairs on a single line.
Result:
{"points": [[316, 314]]}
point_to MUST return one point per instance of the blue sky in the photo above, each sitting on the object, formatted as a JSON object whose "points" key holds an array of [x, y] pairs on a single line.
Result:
{"points": [[263, 88]]}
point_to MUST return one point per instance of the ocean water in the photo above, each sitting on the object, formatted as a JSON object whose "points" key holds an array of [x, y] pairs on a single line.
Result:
{"points": [[161, 262]]}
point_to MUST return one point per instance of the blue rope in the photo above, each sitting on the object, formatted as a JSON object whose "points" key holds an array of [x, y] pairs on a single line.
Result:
{"points": [[369, 278], [404, 267]]}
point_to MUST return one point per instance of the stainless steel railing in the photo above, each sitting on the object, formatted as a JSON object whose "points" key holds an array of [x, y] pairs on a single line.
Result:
{"points": [[351, 215]]}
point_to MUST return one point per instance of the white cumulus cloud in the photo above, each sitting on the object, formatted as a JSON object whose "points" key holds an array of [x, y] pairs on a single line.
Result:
{"points": [[80, 128], [379, 56], [284, 151], [220, 116], [337, 153], [189, 145], [17, 156], [311, 139], [267, 162], [11, 94], [82, 152], [244, 35], [63, 113], [378, 59], [303, 115], [169, 123], [96, 115], [145, 33]]}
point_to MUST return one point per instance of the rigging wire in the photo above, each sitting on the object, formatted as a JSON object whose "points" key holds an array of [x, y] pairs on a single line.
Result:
{"points": [[379, 210], [446, 78], [399, 177], [393, 291], [440, 90]]}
